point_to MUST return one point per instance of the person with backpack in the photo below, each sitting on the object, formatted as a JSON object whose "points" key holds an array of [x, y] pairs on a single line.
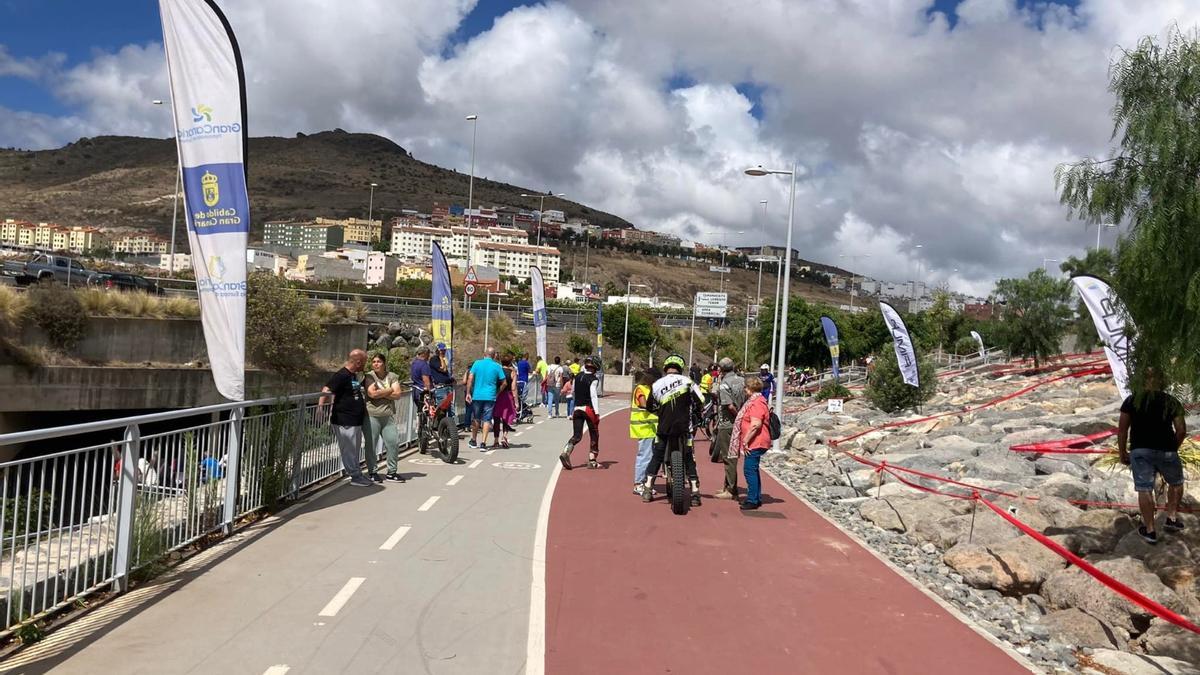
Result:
{"points": [[752, 434], [729, 391]]}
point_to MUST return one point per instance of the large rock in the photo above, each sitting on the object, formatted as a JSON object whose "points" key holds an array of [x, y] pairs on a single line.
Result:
{"points": [[1096, 531], [978, 567], [1080, 629], [1027, 563], [994, 465], [989, 529], [882, 514], [1125, 663], [1048, 465], [1073, 587], [1060, 512], [1164, 639], [1063, 486]]}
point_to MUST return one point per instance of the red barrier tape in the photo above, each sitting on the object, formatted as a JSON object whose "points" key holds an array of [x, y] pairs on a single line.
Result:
{"points": [[1125, 591], [1022, 392], [1069, 446]]}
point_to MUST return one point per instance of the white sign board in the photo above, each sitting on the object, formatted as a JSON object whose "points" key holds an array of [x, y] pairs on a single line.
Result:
{"points": [[711, 305], [833, 405], [718, 268], [764, 258]]}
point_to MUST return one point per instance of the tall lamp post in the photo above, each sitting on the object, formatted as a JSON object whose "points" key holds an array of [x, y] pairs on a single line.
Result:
{"points": [[625, 341], [174, 208], [758, 296], [1048, 260], [854, 259], [787, 277], [371, 207], [541, 207], [474, 120], [1101, 227], [487, 313]]}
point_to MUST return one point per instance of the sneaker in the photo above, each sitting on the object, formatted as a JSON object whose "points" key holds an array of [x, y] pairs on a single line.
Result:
{"points": [[637, 489], [395, 477], [1150, 537], [375, 477], [695, 499], [359, 481], [723, 494], [472, 444], [1173, 525], [647, 495], [483, 447], [749, 506], [565, 458]]}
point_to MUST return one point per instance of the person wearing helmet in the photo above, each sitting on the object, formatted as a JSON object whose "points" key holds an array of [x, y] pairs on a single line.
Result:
{"points": [[675, 398], [587, 411], [768, 380]]}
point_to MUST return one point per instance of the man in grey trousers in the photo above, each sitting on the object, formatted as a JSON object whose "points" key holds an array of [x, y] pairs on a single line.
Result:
{"points": [[730, 390], [348, 412]]}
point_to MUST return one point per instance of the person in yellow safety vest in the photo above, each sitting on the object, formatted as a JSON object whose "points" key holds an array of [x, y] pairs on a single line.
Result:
{"points": [[643, 426], [706, 383]]}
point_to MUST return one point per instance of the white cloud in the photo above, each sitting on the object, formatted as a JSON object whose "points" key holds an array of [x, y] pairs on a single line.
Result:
{"points": [[906, 131]]}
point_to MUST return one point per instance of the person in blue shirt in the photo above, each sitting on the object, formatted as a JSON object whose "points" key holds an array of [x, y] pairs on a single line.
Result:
{"points": [[485, 381], [768, 380], [523, 370]]}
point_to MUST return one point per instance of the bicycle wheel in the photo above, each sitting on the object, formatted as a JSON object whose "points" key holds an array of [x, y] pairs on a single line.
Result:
{"points": [[448, 440], [423, 434], [677, 479]]}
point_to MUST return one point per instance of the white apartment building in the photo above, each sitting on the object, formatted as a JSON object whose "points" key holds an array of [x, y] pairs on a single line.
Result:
{"points": [[266, 261], [516, 259], [553, 216], [381, 268], [183, 261], [140, 244], [416, 241]]}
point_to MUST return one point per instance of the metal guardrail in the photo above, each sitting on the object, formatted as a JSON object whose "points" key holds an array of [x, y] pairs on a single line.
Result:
{"points": [[75, 521]]}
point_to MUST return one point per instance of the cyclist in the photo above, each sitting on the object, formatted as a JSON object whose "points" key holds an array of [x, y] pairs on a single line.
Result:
{"points": [[675, 398], [587, 411]]}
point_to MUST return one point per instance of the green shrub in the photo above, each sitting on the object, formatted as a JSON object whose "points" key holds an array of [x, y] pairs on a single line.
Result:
{"points": [[833, 390], [887, 391], [965, 346], [398, 361], [578, 344], [282, 333], [57, 311]]}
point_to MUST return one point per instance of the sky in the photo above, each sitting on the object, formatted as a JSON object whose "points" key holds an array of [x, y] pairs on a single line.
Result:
{"points": [[925, 132]]}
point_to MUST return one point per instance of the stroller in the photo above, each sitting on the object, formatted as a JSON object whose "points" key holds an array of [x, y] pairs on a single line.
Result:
{"points": [[524, 410]]}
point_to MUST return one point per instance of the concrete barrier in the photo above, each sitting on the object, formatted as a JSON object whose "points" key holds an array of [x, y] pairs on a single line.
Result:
{"points": [[618, 384]]}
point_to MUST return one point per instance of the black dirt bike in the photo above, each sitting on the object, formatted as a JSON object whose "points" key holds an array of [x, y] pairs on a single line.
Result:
{"points": [[678, 485], [438, 425], [706, 421]]}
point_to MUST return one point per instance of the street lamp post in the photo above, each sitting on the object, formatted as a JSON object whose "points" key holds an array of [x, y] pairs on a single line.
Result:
{"points": [[787, 277], [758, 296], [175, 207], [487, 313], [854, 260], [1100, 227], [1048, 260], [746, 339], [541, 207], [371, 206], [474, 120], [625, 341]]}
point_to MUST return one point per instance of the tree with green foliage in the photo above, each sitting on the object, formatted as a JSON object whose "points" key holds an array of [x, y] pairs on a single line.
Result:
{"points": [[1099, 262], [282, 333], [887, 390], [1036, 314], [939, 318], [1152, 183], [579, 345]]}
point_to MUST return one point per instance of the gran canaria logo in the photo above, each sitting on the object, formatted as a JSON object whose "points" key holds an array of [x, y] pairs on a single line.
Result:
{"points": [[201, 113], [216, 268], [210, 188]]}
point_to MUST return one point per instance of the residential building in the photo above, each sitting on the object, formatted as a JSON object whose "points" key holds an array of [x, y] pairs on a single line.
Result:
{"points": [[414, 271], [654, 302], [183, 261], [381, 268], [982, 311], [140, 244], [553, 216], [508, 235], [355, 229], [481, 217], [297, 237], [517, 259], [50, 237], [317, 267], [266, 261]]}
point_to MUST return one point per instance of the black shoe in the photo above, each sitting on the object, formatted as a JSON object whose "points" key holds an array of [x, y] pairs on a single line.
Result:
{"points": [[695, 499], [395, 477], [375, 477], [1150, 537], [565, 458], [749, 506], [1173, 525], [647, 495]]}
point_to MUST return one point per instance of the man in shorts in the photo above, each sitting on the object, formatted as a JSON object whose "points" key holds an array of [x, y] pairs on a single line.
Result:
{"points": [[1149, 433], [485, 382]]}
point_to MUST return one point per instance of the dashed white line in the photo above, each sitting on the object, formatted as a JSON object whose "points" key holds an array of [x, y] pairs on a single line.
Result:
{"points": [[343, 596], [518, 434], [277, 669], [395, 538], [475, 464], [428, 503], [454, 481]]}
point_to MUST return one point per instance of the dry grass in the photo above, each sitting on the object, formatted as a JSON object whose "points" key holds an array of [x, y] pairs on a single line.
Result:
{"points": [[1189, 455], [13, 304], [326, 312], [99, 302]]}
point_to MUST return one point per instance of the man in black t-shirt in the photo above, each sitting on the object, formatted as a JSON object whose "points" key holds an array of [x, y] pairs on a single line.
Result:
{"points": [[348, 412], [1150, 431]]}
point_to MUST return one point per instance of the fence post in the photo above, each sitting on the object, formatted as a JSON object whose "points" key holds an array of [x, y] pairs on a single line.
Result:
{"points": [[233, 453], [298, 444], [411, 413], [126, 507]]}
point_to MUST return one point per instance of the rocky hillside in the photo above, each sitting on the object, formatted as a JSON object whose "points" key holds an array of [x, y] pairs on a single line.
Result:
{"points": [[1013, 586], [114, 181]]}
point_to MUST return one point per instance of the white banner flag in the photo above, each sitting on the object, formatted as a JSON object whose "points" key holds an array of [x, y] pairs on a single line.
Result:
{"points": [[1109, 317], [208, 102], [539, 310], [979, 339], [906, 356]]}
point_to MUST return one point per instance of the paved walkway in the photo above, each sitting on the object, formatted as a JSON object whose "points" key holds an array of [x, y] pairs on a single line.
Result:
{"points": [[633, 588]]}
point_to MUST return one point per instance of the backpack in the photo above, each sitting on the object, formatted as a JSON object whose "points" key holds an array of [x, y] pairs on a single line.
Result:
{"points": [[774, 426]]}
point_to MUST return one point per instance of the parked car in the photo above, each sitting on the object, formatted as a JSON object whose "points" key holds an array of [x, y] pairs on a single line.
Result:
{"points": [[47, 267], [123, 281]]}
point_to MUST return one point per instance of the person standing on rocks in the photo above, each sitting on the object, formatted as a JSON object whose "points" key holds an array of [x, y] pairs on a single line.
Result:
{"points": [[730, 392], [348, 412], [1153, 425]]}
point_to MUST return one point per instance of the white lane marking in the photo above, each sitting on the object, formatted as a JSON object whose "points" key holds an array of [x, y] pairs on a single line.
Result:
{"points": [[277, 669], [535, 646], [395, 538], [475, 464], [343, 596], [428, 503], [454, 481], [518, 434], [517, 465], [539, 422]]}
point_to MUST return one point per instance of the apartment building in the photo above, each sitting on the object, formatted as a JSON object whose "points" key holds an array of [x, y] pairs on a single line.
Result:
{"points": [[358, 230], [50, 236], [517, 259], [303, 236], [140, 244]]}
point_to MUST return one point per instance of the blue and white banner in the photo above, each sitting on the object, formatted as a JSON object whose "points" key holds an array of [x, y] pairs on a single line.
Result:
{"points": [[539, 310], [979, 341], [208, 101], [1109, 316], [600, 330], [906, 356], [441, 319], [831, 338]]}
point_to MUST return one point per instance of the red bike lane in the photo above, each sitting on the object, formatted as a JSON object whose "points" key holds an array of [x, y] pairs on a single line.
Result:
{"points": [[633, 588]]}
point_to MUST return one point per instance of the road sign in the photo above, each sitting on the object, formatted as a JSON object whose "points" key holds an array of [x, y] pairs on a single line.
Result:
{"points": [[470, 289], [764, 258], [711, 305], [718, 268], [471, 276]]}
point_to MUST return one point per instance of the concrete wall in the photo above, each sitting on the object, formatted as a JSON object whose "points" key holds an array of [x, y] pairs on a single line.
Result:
{"points": [[123, 340], [618, 384]]}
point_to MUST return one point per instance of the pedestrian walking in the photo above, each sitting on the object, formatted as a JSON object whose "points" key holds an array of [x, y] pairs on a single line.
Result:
{"points": [[537, 383], [504, 415], [469, 421], [568, 391], [524, 371], [484, 384], [554, 377], [1149, 433], [730, 395], [575, 367], [347, 413], [643, 427], [752, 439], [383, 390], [768, 380], [585, 411]]}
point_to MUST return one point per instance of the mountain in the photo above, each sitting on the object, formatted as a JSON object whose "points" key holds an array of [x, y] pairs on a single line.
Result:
{"points": [[121, 181]]}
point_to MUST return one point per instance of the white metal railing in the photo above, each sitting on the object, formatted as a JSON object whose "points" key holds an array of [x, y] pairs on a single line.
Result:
{"points": [[105, 499]]}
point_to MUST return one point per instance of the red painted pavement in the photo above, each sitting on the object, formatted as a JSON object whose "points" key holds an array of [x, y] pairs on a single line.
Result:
{"points": [[633, 588]]}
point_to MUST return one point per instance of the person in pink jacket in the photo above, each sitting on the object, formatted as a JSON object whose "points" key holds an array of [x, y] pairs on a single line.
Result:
{"points": [[752, 439]]}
